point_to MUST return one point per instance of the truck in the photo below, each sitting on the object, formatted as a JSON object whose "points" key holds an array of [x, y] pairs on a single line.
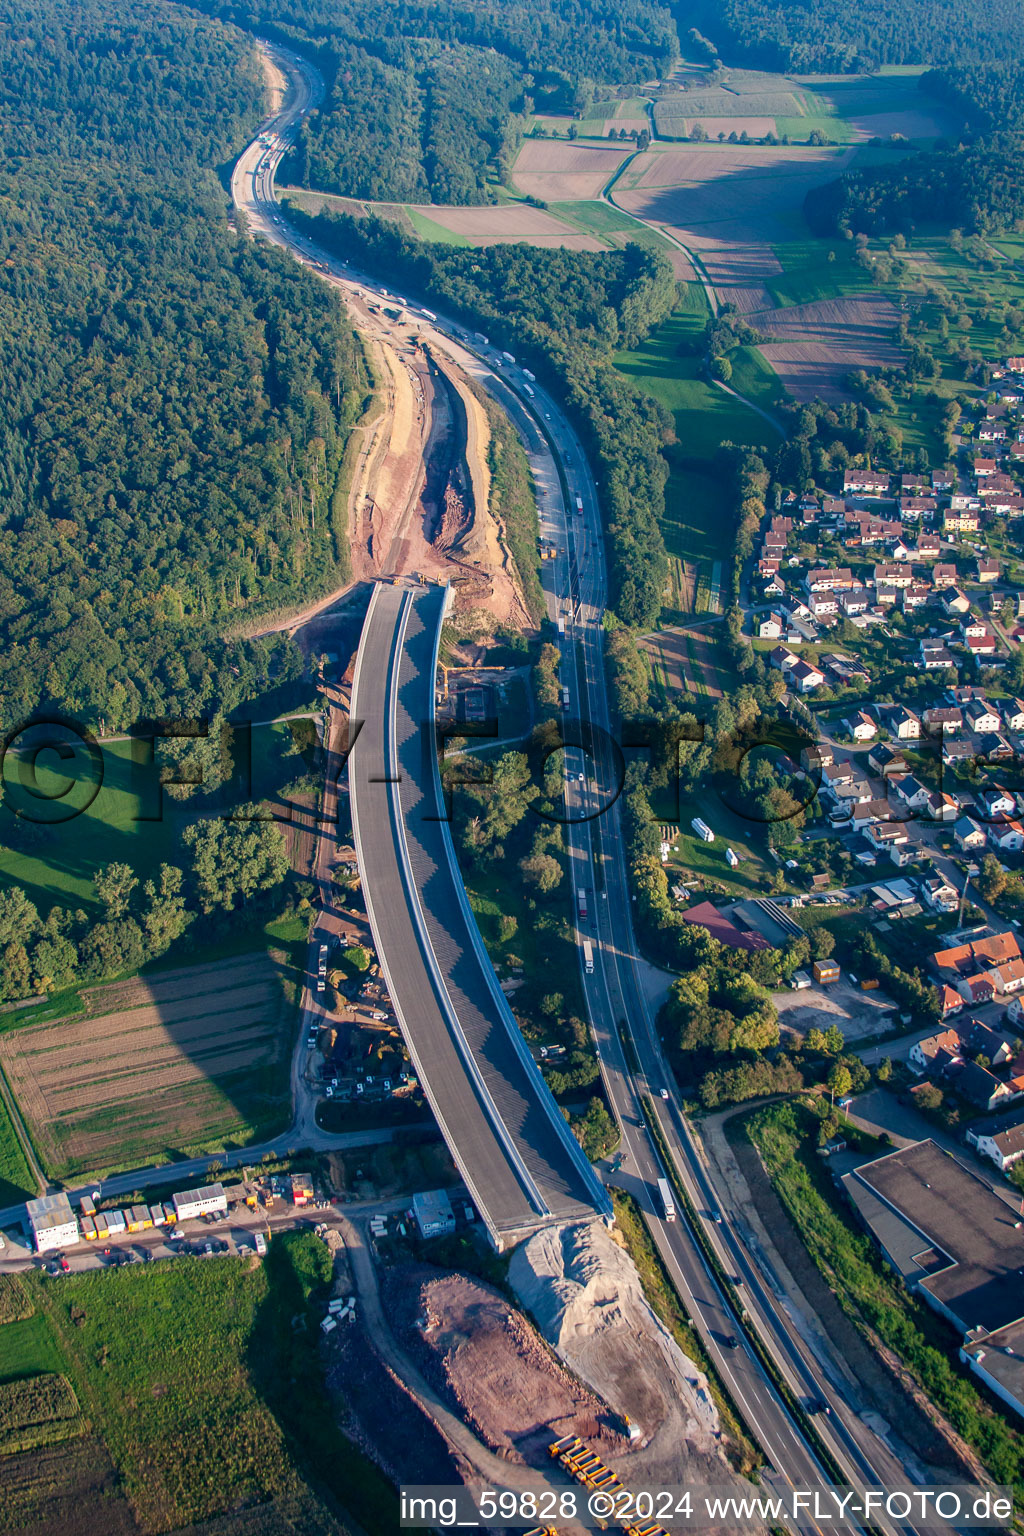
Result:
{"points": [[561, 626], [565, 698], [527, 391], [588, 957], [528, 375], [579, 506], [668, 1203], [581, 902], [261, 1244], [702, 830], [481, 338], [428, 314], [508, 357]]}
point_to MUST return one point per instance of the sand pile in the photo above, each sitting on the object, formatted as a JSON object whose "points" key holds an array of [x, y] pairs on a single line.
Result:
{"points": [[584, 1292]]}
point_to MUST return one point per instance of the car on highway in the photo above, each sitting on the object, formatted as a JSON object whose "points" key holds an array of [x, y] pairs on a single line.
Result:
{"points": [[664, 1093], [732, 1342], [818, 1405], [716, 1217], [641, 1123]]}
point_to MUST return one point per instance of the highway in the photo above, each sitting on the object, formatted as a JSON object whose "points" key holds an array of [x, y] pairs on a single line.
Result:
{"points": [[521, 1163], [577, 592]]}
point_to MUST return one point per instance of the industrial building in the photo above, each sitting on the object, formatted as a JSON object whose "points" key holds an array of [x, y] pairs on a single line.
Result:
{"points": [[52, 1222], [958, 1245], [191, 1203], [433, 1213]]}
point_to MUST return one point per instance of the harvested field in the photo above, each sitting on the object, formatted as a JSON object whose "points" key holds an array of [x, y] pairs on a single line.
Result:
{"points": [[735, 193], [497, 221], [816, 345], [912, 123], [183, 1059], [490, 1364], [555, 170]]}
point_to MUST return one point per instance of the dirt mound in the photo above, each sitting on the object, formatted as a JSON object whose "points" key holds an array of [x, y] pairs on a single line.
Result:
{"points": [[585, 1294], [488, 1362]]}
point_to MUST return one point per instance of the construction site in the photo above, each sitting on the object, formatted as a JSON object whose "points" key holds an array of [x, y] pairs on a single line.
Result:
{"points": [[558, 1374]]}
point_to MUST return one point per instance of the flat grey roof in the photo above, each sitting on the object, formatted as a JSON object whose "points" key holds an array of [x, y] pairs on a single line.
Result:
{"points": [[945, 1229]]}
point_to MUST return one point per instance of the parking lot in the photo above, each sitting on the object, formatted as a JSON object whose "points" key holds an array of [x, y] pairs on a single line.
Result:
{"points": [[205, 1237], [858, 1014]]}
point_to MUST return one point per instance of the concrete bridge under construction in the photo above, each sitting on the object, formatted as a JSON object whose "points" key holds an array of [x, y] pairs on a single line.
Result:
{"points": [[518, 1157]]}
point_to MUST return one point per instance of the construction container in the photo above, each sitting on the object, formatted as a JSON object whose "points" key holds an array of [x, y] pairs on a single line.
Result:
{"points": [[88, 1227], [869, 984], [825, 971]]}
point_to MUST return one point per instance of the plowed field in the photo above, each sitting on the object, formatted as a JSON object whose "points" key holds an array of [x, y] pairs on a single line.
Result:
{"points": [[558, 170], [182, 1060]]}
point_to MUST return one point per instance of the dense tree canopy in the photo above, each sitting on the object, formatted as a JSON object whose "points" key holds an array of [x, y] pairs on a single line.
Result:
{"points": [[424, 99], [976, 188], [174, 400], [831, 35]]}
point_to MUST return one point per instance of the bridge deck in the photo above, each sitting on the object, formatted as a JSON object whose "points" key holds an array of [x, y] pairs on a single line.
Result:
{"points": [[509, 1140]]}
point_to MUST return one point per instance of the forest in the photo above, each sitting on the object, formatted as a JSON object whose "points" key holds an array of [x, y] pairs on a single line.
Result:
{"points": [[563, 312], [973, 189], [174, 400], [831, 36], [426, 101]]}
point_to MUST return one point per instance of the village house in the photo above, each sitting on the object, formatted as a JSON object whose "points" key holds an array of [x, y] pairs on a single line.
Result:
{"points": [[946, 718], [805, 677], [936, 1053], [914, 596], [865, 482], [996, 803], [893, 575], [885, 760], [857, 600], [1007, 836], [860, 726], [1000, 1139], [954, 601], [980, 716], [935, 655], [942, 806], [939, 894], [902, 722], [910, 792], [969, 836], [771, 626]]}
